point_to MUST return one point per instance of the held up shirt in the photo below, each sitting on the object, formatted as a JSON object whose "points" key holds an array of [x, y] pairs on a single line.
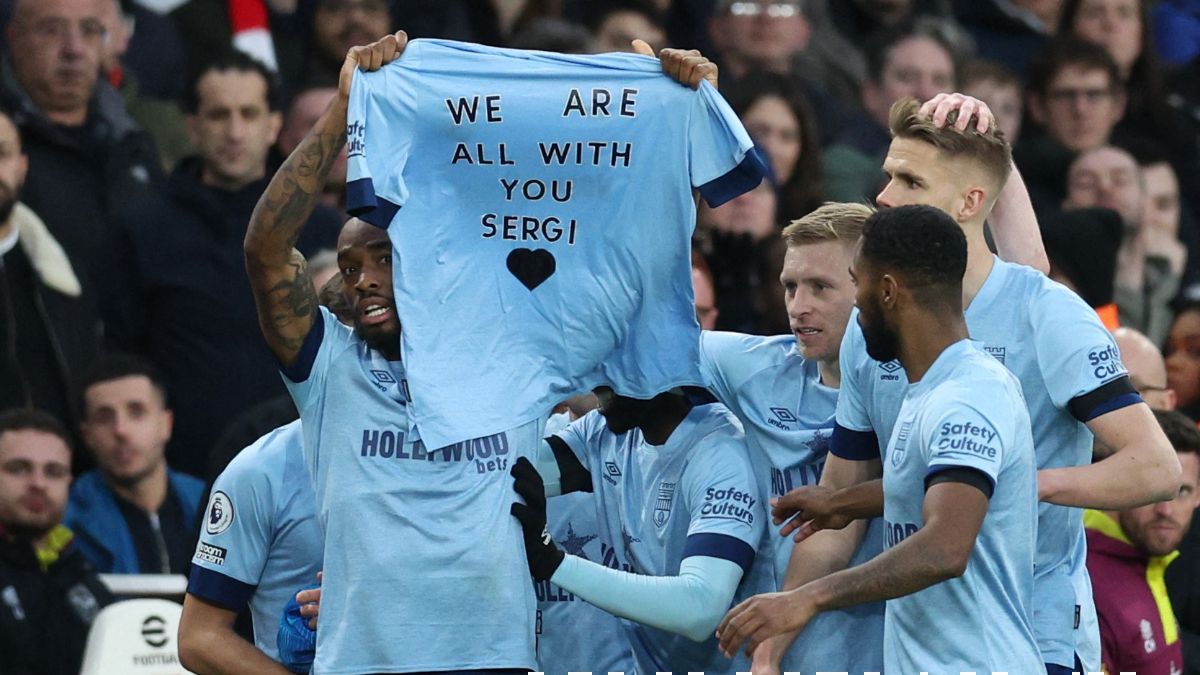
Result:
{"points": [[541, 209]]}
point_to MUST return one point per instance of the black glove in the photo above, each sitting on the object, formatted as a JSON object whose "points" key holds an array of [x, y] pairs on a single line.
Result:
{"points": [[540, 552]]}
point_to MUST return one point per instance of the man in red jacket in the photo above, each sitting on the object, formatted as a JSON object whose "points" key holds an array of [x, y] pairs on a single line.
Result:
{"points": [[1128, 551]]}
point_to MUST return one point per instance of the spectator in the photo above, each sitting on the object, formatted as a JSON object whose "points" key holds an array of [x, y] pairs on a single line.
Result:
{"points": [[1082, 246], [759, 35], [1074, 99], [1076, 94], [1183, 358], [997, 86], [550, 34], [1010, 31], [49, 320], [1122, 28], [51, 593], [79, 138], [306, 107], [899, 64], [1110, 178], [132, 514], [781, 122], [156, 52], [862, 20], [161, 118], [338, 25], [783, 37], [615, 24], [1128, 552], [1147, 368], [187, 303], [741, 240], [1163, 213]]}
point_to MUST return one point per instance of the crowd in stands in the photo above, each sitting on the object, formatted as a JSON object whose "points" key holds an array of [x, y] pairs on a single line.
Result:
{"points": [[137, 136]]}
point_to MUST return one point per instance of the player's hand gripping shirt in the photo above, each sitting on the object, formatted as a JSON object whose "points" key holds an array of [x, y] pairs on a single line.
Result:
{"points": [[1070, 372], [417, 539], [788, 417], [541, 210], [693, 495], [966, 413], [260, 541]]}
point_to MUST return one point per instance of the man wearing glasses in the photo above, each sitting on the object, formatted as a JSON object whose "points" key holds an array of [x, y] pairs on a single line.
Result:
{"points": [[759, 34], [80, 139]]}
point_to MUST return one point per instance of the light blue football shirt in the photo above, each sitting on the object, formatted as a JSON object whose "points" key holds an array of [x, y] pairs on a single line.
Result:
{"points": [[966, 412], [788, 417], [694, 495], [541, 210], [260, 542], [417, 540], [574, 635], [1066, 362]]}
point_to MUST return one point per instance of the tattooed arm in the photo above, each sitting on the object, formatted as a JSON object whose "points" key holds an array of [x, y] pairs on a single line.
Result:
{"points": [[287, 302]]}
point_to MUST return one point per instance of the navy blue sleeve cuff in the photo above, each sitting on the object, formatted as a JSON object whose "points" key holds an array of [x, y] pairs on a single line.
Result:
{"points": [[720, 546], [968, 475], [219, 589], [858, 446], [741, 179], [1104, 399], [362, 202], [301, 368]]}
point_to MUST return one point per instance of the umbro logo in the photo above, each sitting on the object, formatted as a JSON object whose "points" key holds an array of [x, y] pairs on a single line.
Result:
{"points": [[782, 419], [783, 414], [611, 472], [383, 377], [890, 370]]}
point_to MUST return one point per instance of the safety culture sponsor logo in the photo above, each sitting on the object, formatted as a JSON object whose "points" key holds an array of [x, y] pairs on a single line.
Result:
{"points": [[729, 503], [1105, 362]]}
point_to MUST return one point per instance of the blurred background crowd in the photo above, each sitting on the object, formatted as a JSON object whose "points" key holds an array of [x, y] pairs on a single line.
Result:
{"points": [[152, 126]]}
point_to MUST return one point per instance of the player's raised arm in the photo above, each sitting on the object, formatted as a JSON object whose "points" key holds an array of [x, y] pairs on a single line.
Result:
{"points": [[283, 291], [1013, 222]]}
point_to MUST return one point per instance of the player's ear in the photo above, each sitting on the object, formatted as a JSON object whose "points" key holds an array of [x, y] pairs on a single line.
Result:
{"points": [[974, 200], [888, 290]]}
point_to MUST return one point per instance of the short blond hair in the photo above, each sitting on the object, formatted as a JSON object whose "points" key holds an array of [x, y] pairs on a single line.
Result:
{"points": [[990, 150], [832, 221]]}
